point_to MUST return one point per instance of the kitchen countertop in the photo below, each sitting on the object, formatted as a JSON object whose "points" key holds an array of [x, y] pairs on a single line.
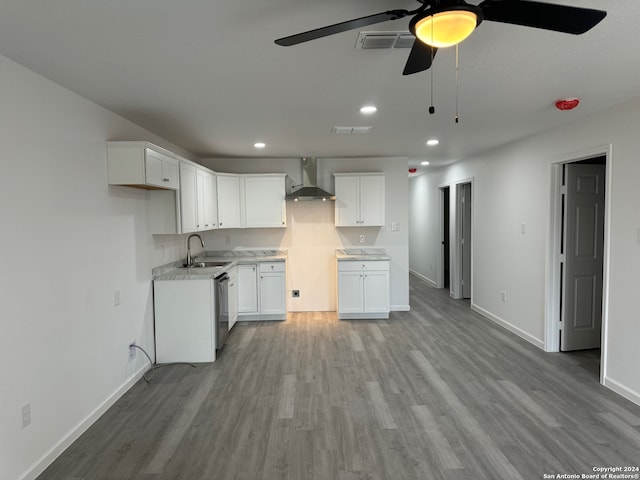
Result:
{"points": [[361, 254], [175, 270]]}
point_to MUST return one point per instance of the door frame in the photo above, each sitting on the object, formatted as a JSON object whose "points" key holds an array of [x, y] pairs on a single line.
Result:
{"points": [[553, 277], [458, 256]]}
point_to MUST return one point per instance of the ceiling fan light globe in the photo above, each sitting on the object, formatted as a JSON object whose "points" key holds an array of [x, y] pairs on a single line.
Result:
{"points": [[446, 29]]}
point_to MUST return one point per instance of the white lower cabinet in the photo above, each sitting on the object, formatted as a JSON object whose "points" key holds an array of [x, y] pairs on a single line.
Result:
{"points": [[272, 289], [363, 289], [233, 297], [247, 289], [184, 320], [262, 291]]}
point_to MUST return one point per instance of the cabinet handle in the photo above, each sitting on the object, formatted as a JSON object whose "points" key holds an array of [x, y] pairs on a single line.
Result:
{"points": [[220, 223], [165, 179]]}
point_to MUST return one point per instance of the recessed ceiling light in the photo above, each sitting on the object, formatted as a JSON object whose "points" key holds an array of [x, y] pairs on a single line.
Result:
{"points": [[433, 142], [424, 163], [368, 109], [259, 145]]}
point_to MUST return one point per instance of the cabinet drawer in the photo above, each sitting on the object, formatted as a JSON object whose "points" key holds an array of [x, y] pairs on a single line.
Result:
{"points": [[358, 265], [271, 267]]}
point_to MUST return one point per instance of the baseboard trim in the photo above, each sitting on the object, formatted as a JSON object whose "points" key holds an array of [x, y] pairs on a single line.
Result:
{"points": [[620, 389], [400, 308], [423, 278], [512, 328], [48, 458]]}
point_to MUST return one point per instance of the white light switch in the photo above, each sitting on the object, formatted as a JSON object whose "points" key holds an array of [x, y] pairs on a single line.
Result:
{"points": [[395, 227]]}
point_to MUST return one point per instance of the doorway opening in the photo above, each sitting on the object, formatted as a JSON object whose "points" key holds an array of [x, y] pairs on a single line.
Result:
{"points": [[577, 286], [445, 236]]}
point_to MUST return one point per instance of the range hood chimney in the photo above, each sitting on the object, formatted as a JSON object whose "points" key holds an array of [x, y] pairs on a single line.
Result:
{"points": [[309, 189]]}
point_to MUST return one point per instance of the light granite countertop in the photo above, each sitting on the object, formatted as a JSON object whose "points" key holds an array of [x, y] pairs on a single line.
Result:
{"points": [[361, 254], [176, 271]]}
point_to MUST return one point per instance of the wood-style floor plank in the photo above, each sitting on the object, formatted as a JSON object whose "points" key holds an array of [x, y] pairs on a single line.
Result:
{"points": [[435, 393]]}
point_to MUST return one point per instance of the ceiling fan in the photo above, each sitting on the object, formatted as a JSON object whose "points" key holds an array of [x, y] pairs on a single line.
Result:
{"points": [[444, 23]]}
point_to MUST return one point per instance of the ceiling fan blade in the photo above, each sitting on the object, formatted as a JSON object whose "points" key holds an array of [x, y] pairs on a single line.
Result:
{"points": [[341, 27], [560, 18], [420, 57]]}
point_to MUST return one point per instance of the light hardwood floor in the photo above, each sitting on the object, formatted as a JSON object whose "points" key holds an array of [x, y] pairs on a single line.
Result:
{"points": [[435, 393]]}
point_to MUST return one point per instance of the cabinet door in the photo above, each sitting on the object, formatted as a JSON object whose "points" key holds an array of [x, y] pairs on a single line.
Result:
{"points": [[188, 198], [247, 289], [272, 293], [229, 211], [233, 297], [211, 201], [264, 201], [206, 211], [347, 202], [153, 167], [372, 202], [350, 298], [161, 170], [376, 292]]}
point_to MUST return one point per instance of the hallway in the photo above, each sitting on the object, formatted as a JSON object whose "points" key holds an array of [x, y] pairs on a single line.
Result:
{"points": [[435, 393]]}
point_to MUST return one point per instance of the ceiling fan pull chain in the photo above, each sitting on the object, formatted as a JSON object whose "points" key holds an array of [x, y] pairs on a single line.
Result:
{"points": [[457, 84], [432, 108]]}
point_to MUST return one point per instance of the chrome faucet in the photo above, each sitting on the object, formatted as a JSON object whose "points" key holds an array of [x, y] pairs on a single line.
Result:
{"points": [[189, 257]]}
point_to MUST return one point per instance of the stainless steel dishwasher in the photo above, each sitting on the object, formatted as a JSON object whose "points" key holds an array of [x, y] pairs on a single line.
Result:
{"points": [[222, 310]]}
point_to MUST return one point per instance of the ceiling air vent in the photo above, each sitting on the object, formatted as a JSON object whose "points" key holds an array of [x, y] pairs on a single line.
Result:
{"points": [[350, 130], [377, 40]]}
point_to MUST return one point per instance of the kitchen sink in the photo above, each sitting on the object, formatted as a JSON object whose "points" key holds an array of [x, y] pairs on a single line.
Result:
{"points": [[207, 264]]}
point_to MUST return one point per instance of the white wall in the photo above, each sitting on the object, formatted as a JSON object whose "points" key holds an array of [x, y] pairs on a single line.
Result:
{"points": [[424, 225], [511, 187], [311, 237], [69, 241]]}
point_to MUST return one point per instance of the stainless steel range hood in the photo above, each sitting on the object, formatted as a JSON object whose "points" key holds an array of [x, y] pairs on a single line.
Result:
{"points": [[309, 189]]}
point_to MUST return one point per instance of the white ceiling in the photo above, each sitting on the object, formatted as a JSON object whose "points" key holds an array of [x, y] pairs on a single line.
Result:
{"points": [[206, 75]]}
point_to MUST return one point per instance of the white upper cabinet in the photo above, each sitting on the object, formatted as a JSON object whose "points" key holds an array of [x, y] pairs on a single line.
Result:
{"points": [[265, 204], [142, 165], [251, 201], [197, 198], [360, 199], [188, 197], [229, 200], [207, 200]]}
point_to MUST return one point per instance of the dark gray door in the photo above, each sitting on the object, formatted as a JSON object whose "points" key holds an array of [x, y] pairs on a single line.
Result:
{"points": [[584, 238]]}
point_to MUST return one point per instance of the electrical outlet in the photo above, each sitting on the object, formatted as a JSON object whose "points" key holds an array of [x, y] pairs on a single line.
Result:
{"points": [[295, 293], [395, 227], [26, 415], [116, 298], [503, 294], [361, 238], [132, 350]]}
